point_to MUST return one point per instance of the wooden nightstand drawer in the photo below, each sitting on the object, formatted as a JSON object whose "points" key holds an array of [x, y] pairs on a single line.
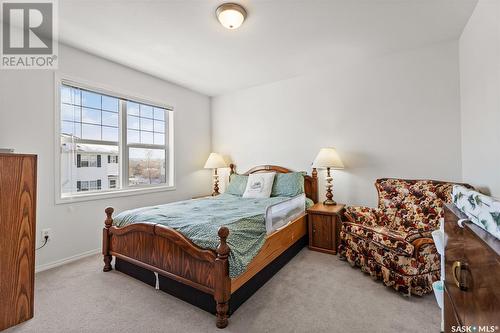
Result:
{"points": [[324, 225]]}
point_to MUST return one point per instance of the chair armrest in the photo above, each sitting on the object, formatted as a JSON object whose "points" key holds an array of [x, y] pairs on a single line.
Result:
{"points": [[362, 215], [419, 242]]}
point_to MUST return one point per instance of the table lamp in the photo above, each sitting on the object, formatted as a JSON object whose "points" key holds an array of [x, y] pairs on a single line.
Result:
{"points": [[215, 161], [328, 158]]}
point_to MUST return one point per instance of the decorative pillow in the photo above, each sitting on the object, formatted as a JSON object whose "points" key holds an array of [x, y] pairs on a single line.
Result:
{"points": [[288, 184], [259, 185], [309, 203], [237, 184]]}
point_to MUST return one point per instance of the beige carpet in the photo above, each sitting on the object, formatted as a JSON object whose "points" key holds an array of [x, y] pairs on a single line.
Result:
{"points": [[315, 292]]}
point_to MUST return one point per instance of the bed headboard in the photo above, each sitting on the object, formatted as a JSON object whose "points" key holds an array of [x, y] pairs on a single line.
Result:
{"points": [[310, 182]]}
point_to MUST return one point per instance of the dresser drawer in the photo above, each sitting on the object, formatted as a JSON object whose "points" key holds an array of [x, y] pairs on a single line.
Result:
{"points": [[450, 313], [472, 274], [482, 297]]}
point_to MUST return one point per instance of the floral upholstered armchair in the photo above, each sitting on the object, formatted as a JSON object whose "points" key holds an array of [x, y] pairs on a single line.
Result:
{"points": [[393, 242]]}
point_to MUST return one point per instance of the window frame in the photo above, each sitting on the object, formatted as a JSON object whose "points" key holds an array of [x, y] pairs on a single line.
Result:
{"points": [[125, 146], [122, 180]]}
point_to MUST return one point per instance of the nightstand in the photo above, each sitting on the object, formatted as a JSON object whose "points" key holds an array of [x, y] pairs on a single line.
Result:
{"points": [[324, 226]]}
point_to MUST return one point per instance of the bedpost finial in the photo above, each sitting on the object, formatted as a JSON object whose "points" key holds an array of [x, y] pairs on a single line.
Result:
{"points": [[109, 211], [223, 233], [109, 217], [231, 166], [315, 173], [223, 248]]}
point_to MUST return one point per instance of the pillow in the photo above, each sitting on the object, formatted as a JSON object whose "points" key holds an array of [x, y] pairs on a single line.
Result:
{"points": [[309, 203], [237, 184], [259, 185], [288, 184]]}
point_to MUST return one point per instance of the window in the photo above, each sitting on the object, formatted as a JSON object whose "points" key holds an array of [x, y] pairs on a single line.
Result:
{"points": [[84, 185], [112, 183], [88, 161], [146, 144], [89, 116], [118, 143], [112, 159]]}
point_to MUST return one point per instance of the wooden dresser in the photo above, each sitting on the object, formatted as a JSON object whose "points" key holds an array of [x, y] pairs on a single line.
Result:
{"points": [[472, 276], [17, 237]]}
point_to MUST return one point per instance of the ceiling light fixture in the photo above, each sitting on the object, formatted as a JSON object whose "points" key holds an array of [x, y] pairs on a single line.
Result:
{"points": [[231, 15]]}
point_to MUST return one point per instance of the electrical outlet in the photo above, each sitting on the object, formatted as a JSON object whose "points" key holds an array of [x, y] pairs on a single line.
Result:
{"points": [[46, 233]]}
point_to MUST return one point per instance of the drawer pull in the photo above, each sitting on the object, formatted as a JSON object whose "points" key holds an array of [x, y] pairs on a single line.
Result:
{"points": [[458, 272]]}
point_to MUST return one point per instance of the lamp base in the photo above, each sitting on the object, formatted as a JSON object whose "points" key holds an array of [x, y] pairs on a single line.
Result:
{"points": [[329, 202], [329, 195], [216, 184]]}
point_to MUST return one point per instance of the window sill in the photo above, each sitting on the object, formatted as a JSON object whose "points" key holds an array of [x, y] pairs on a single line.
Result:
{"points": [[112, 194]]}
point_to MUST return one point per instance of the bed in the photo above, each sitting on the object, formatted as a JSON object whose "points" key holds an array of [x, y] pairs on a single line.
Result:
{"points": [[196, 270]]}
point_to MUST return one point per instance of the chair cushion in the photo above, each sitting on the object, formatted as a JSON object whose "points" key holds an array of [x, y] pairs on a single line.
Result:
{"points": [[411, 218], [391, 239], [391, 192], [427, 259], [361, 215], [415, 204]]}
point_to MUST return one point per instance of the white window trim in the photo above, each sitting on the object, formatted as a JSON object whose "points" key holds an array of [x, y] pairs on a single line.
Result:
{"points": [[129, 191]]}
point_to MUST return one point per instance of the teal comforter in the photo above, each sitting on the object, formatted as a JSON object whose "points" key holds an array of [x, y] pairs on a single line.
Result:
{"points": [[200, 219]]}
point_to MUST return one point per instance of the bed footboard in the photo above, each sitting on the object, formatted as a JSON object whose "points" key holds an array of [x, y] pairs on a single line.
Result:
{"points": [[167, 252]]}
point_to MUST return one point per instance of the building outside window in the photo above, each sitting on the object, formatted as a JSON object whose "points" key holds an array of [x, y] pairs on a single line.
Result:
{"points": [[85, 185], [110, 143], [88, 161], [112, 183], [112, 159]]}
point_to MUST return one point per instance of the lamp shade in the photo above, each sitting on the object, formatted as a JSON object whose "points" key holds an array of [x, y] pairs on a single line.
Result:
{"points": [[328, 158], [215, 161]]}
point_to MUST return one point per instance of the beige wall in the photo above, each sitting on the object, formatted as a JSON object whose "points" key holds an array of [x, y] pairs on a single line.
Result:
{"points": [[480, 97], [395, 116], [27, 124]]}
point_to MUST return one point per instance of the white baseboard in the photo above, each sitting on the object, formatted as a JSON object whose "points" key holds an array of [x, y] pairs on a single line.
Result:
{"points": [[64, 261]]}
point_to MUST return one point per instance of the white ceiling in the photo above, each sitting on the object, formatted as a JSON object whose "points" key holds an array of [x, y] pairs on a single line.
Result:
{"points": [[181, 40]]}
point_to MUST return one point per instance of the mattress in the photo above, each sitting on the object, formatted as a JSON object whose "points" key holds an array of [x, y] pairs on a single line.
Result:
{"points": [[200, 219]]}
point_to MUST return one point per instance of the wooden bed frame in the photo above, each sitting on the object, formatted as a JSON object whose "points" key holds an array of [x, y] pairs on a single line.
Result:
{"points": [[142, 248]]}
